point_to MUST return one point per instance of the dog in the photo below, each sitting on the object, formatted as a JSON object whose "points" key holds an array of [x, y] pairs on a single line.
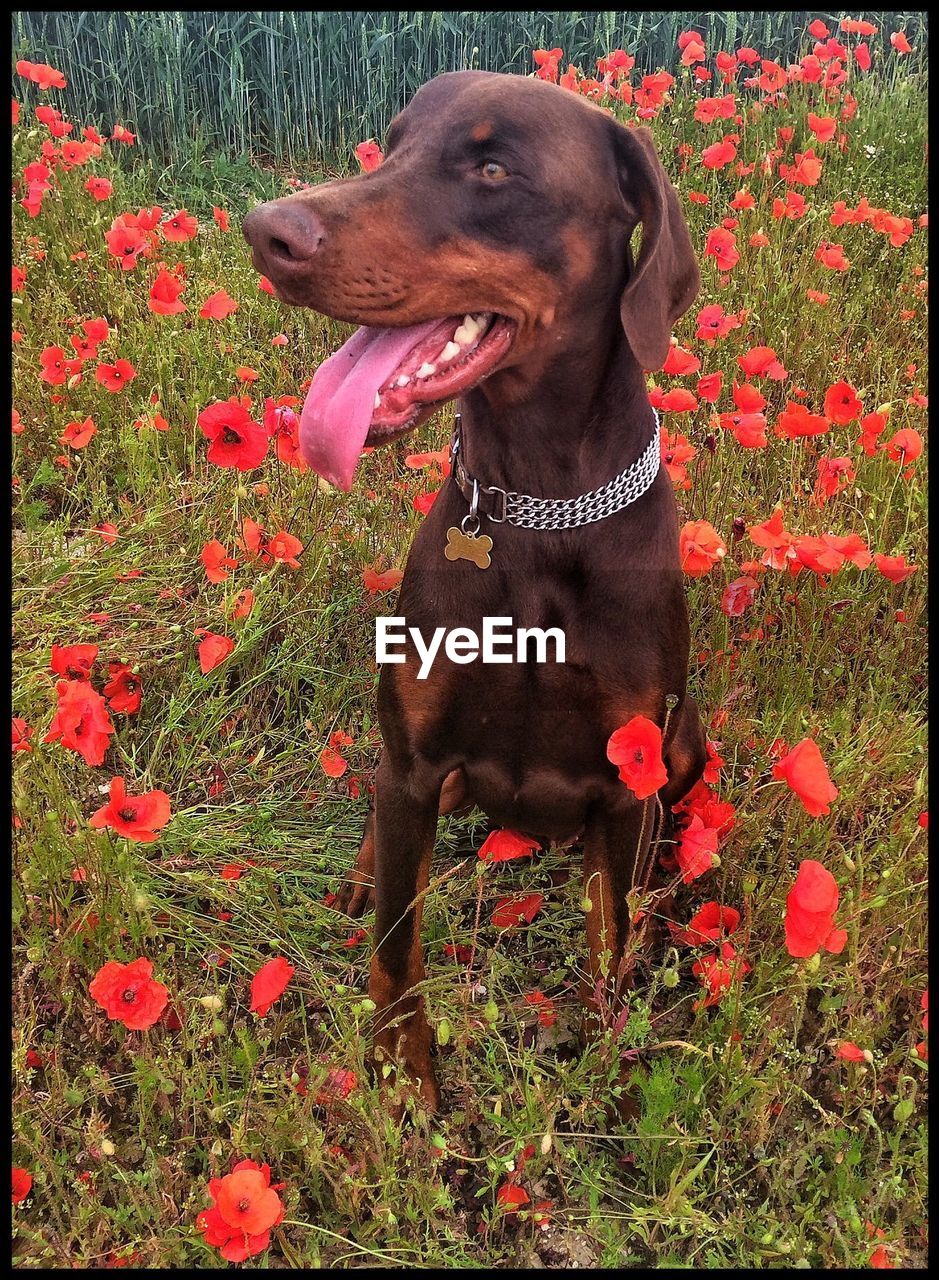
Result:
{"points": [[489, 260]]}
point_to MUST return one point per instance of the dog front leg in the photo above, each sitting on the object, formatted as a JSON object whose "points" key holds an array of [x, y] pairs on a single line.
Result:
{"points": [[405, 818]]}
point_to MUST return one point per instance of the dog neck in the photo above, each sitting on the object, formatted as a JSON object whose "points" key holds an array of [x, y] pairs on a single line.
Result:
{"points": [[585, 419]]}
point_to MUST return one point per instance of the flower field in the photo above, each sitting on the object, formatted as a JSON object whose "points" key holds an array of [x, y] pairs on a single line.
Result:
{"points": [[194, 733]]}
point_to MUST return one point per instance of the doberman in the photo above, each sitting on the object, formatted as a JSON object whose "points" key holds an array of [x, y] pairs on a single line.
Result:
{"points": [[489, 259]]}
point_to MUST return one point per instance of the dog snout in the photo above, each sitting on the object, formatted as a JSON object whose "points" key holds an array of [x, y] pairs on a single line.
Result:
{"points": [[284, 236]]}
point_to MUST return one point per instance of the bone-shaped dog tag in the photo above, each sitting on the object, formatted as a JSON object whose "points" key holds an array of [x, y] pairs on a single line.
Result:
{"points": [[468, 546]]}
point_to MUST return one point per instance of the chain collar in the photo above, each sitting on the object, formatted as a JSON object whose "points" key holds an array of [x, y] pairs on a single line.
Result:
{"points": [[503, 506]]}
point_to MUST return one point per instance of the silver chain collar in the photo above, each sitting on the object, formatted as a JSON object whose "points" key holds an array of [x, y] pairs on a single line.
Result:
{"points": [[528, 512]]}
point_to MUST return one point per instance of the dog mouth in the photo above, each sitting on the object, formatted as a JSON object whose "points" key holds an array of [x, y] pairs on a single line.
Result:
{"points": [[378, 385]]}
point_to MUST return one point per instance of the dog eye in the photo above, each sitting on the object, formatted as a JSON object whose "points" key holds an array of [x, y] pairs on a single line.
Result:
{"points": [[492, 170]]}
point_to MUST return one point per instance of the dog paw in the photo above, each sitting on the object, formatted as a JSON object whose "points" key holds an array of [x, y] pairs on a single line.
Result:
{"points": [[355, 897]]}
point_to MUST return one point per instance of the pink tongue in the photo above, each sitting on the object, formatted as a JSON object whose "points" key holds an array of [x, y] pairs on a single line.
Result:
{"points": [[338, 409]]}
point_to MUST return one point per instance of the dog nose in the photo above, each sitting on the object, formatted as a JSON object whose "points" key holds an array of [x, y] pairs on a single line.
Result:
{"points": [[286, 235]]}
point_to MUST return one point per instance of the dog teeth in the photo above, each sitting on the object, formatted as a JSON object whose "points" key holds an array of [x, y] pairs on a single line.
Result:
{"points": [[403, 380], [426, 370], [451, 350], [377, 400]]}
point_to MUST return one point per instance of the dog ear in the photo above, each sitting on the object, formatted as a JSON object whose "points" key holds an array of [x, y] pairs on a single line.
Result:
{"points": [[664, 281]]}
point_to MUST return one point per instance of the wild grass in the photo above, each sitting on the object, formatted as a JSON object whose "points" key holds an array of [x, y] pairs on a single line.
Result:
{"points": [[753, 1145]]}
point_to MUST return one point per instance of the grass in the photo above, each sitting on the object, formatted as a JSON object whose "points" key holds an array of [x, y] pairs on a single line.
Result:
{"points": [[753, 1145]]}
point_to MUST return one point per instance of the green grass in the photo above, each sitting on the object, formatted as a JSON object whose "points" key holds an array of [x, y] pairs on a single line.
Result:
{"points": [[752, 1144]]}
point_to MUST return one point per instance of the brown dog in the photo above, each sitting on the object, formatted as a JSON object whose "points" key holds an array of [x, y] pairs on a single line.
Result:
{"points": [[489, 259]]}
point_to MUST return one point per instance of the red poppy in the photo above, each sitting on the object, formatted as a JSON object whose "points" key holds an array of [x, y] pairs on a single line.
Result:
{"points": [[237, 440], [73, 661], [848, 1051], [81, 721], [245, 1209], [369, 155], [127, 244], [680, 361], [375, 582], [547, 1016], [41, 74], [810, 912], [795, 422], [137, 818], [216, 560], [804, 770], [636, 750], [900, 43], [511, 912], [904, 446], [213, 650], [762, 362], [244, 603], [164, 294], [833, 475], [78, 434], [285, 547], [115, 377], [718, 972], [511, 1197], [503, 846], [779, 543], [721, 245], [181, 226], [218, 306], [832, 256], [709, 923], [54, 366], [21, 735], [894, 567], [123, 690], [841, 403], [269, 984], [221, 218], [22, 1184], [701, 547], [697, 849], [100, 188], [128, 993], [738, 596]]}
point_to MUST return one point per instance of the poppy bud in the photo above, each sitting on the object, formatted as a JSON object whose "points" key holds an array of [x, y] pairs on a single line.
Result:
{"points": [[710, 442], [738, 528], [813, 962], [670, 978]]}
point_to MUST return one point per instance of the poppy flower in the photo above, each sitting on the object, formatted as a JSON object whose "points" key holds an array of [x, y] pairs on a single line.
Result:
{"points": [[127, 244], [99, 188], [285, 548], [375, 582], [779, 543], [894, 567], [832, 256], [164, 294], [22, 1184], [81, 721], [848, 1051], [73, 661], [237, 440], [115, 377], [718, 972], [179, 227], [806, 773], [900, 43], [218, 306], [221, 218], [332, 762], [678, 400], [216, 560], [511, 1197], [21, 735], [810, 912], [700, 547], [904, 446], [123, 690], [503, 846], [77, 434], [796, 422], [738, 596], [841, 403], [243, 1202], [511, 912], [547, 1016], [676, 451], [696, 849], [680, 361], [636, 750], [41, 74], [369, 155], [709, 923], [244, 603], [833, 475], [53, 369], [128, 993], [213, 650], [721, 245], [269, 984], [137, 818]]}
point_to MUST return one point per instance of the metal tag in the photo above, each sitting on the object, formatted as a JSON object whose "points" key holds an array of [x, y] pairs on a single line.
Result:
{"points": [[468, 546]]}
